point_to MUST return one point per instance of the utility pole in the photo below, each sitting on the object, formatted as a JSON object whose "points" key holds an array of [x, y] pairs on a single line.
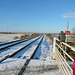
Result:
{"points": [[66, 40], [66, 34]]}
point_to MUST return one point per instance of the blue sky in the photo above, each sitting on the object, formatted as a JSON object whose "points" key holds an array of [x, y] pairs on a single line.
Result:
{"points": [[48, 16]]}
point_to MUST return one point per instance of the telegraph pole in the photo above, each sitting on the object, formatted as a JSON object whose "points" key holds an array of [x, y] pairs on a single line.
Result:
{"points": [[66, 34], [66, 40]]}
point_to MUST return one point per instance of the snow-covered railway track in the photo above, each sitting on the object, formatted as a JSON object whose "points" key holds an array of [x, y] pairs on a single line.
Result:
{"points": [[11, 54], [29, 54], [12, 43], [3, 43]]}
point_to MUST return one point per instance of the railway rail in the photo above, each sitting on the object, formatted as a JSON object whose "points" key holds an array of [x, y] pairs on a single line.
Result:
{"points": [[12, 43], [12, 54], [3, 43], [30, 54]]}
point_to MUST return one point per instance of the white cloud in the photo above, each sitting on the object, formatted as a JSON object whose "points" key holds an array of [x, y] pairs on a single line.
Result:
{"points": [[68, 15]]}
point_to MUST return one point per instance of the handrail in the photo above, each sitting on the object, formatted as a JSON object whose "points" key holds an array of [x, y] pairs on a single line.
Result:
{"points": [[72, 48], [65, 53], [64, 67]]}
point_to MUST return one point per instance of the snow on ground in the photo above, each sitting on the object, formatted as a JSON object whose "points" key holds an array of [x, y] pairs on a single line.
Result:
{"points": [[15, 48], [28, 51], [44, 51], [1, 46], [45, 65], [8, 37], [11, 66], [50, 44], [52, 72], [40, 66]]}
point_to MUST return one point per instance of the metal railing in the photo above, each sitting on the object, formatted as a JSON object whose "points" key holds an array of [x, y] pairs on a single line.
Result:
{"points": [[60, 55]]}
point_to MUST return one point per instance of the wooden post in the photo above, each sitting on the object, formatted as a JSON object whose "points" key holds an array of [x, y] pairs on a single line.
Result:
{"points": [[54, 42]]}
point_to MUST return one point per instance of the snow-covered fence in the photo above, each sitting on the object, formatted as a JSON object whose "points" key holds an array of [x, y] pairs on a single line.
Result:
{"points": [[60, 54]]}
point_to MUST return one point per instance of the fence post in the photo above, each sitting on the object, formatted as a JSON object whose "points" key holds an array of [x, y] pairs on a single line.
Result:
{"points": [[54, 42], [74, 67]]}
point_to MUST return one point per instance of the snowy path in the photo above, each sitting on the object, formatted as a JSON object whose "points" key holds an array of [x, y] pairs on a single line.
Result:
{"points": [[43, 52]]}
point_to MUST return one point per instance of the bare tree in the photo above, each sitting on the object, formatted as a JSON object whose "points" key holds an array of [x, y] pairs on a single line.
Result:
{"points": [[73, 30]]}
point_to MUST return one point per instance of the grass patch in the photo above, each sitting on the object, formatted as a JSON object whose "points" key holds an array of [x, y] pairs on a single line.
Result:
{"points": [[24, 36], [16, 37], [71, 44]]}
